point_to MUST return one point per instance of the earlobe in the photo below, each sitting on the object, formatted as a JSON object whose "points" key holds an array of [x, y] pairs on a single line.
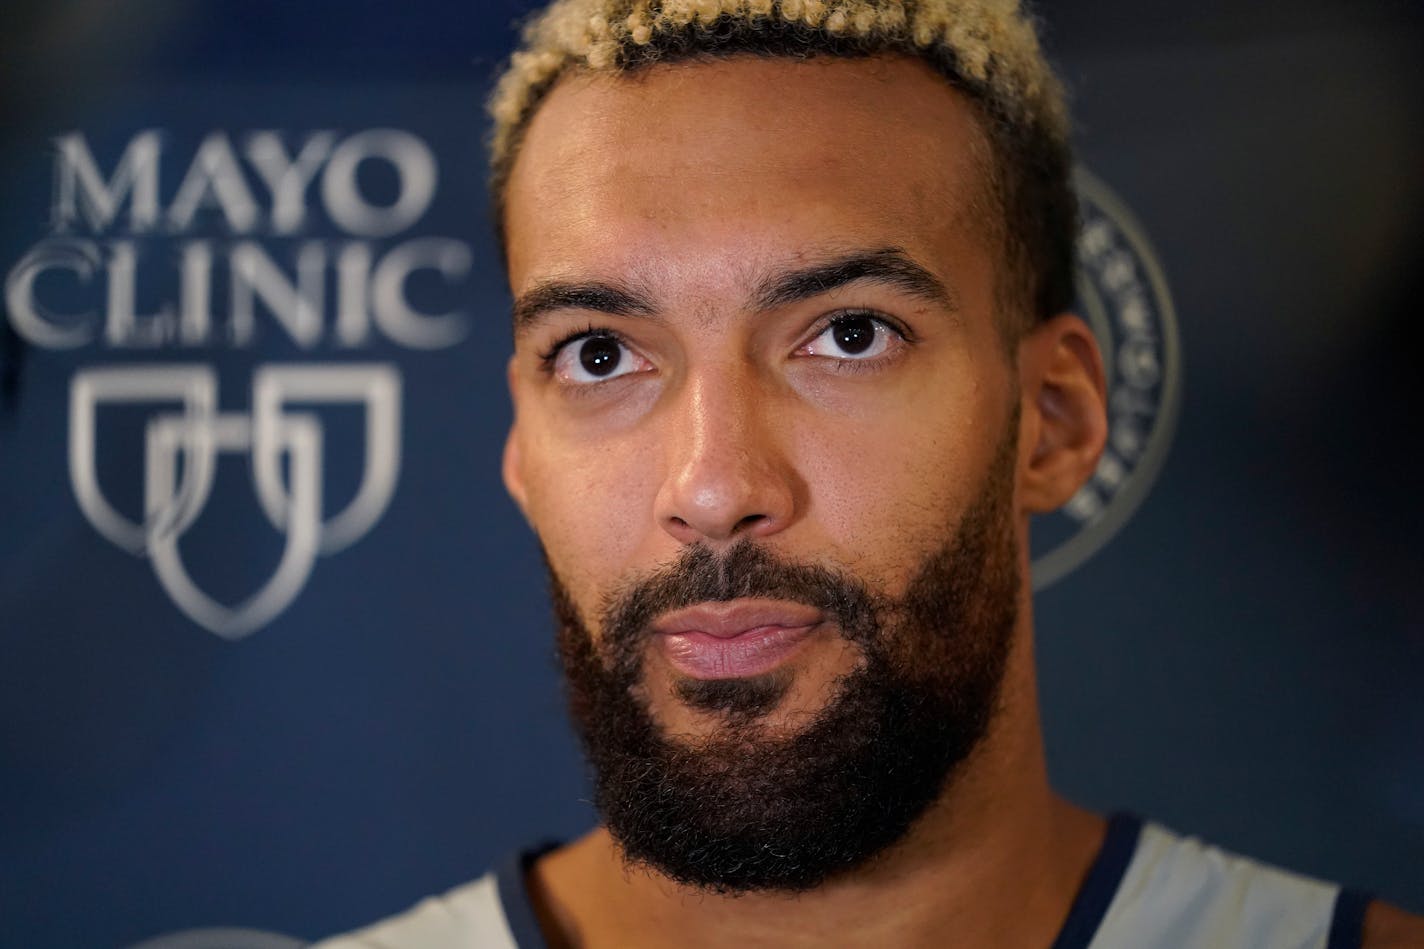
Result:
{"points": [[1064, 411]]}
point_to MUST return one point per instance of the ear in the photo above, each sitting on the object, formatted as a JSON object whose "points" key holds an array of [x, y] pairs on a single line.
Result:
{"points": [[512, 465], [1064, 412]]}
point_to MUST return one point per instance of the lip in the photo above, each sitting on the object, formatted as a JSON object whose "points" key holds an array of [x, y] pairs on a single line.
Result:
{"points": [[734, 639]]}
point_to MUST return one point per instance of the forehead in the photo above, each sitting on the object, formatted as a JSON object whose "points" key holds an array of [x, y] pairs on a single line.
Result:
{"points": [[743, 159]]}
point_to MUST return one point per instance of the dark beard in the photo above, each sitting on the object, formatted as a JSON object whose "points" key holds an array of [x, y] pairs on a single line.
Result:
{"points": [[743, 809]]}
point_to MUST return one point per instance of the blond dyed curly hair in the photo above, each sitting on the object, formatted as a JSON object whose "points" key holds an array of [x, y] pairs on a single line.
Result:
{"points": [[988, 49]]}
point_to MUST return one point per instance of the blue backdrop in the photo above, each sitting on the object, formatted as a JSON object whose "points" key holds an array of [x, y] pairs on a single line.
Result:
{"points": [[241, 238]]}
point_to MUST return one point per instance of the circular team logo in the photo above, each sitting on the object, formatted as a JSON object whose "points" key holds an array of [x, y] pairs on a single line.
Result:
{"points": [[221, 938], [1123, 295]]}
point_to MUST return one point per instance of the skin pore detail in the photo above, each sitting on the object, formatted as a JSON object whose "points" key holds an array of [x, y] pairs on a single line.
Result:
{"points": [[757, 332]]}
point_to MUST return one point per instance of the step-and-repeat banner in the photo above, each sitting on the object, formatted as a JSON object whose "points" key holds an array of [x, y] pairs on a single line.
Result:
{"points": [[275, 656]]}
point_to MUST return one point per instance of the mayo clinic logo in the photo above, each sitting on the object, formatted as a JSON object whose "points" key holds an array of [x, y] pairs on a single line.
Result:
{"points": [[230, 250], [1123, 295]]}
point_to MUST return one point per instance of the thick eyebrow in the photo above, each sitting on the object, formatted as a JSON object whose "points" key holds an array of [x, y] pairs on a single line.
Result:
{"points": [[552, 295], [890, 265]]}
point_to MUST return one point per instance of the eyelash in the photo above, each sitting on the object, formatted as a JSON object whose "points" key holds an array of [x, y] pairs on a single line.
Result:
{"points": [[547, 358], [889, 322], [852, 366]]}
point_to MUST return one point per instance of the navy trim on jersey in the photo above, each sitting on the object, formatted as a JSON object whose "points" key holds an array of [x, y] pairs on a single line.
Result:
{"points": [[1347, 926], [1084, 917], [1100, 886], [514, 896]]}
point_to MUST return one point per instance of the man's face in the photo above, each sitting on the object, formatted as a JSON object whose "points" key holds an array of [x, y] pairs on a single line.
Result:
{"points": [[764, 415]]}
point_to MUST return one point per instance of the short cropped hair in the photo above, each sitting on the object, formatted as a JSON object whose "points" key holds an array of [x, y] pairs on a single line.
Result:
{"points": [[987, 49]]}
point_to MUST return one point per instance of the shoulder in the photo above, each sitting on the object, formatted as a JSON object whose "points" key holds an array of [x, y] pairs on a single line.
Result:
{"points": [[469, 915], [1182, 892], [1388, 927]]}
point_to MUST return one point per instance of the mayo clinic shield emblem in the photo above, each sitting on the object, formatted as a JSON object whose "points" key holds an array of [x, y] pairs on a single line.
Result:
{"points": [[183, 439], [1123, 295], [172, 253]]}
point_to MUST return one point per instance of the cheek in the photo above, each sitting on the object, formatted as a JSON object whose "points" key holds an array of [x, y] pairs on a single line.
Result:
{"points": [[589, 505], [888, 482]]}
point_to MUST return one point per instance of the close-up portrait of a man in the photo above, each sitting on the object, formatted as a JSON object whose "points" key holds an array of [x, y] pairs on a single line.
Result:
{"points": [[794, 364], [911, 474]]}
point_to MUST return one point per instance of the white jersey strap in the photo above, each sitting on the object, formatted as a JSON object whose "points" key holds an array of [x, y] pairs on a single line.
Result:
{"points": [[1179, 893]]}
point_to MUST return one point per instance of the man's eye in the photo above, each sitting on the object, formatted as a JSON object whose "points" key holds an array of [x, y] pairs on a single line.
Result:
{"points": [[596, 358], [852, 337]]}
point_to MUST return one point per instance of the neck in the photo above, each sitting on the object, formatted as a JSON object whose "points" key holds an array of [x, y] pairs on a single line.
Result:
{"points": [[996, 861]]}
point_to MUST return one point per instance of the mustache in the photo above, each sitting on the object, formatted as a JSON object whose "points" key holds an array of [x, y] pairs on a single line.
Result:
{"points": [[744, 570]]}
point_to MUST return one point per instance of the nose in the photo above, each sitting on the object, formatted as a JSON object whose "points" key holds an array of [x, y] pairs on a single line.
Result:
{"points": [[727, 476]]}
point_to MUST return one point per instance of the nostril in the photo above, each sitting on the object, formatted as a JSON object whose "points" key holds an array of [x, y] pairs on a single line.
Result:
{"points": [[749, 522]]}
